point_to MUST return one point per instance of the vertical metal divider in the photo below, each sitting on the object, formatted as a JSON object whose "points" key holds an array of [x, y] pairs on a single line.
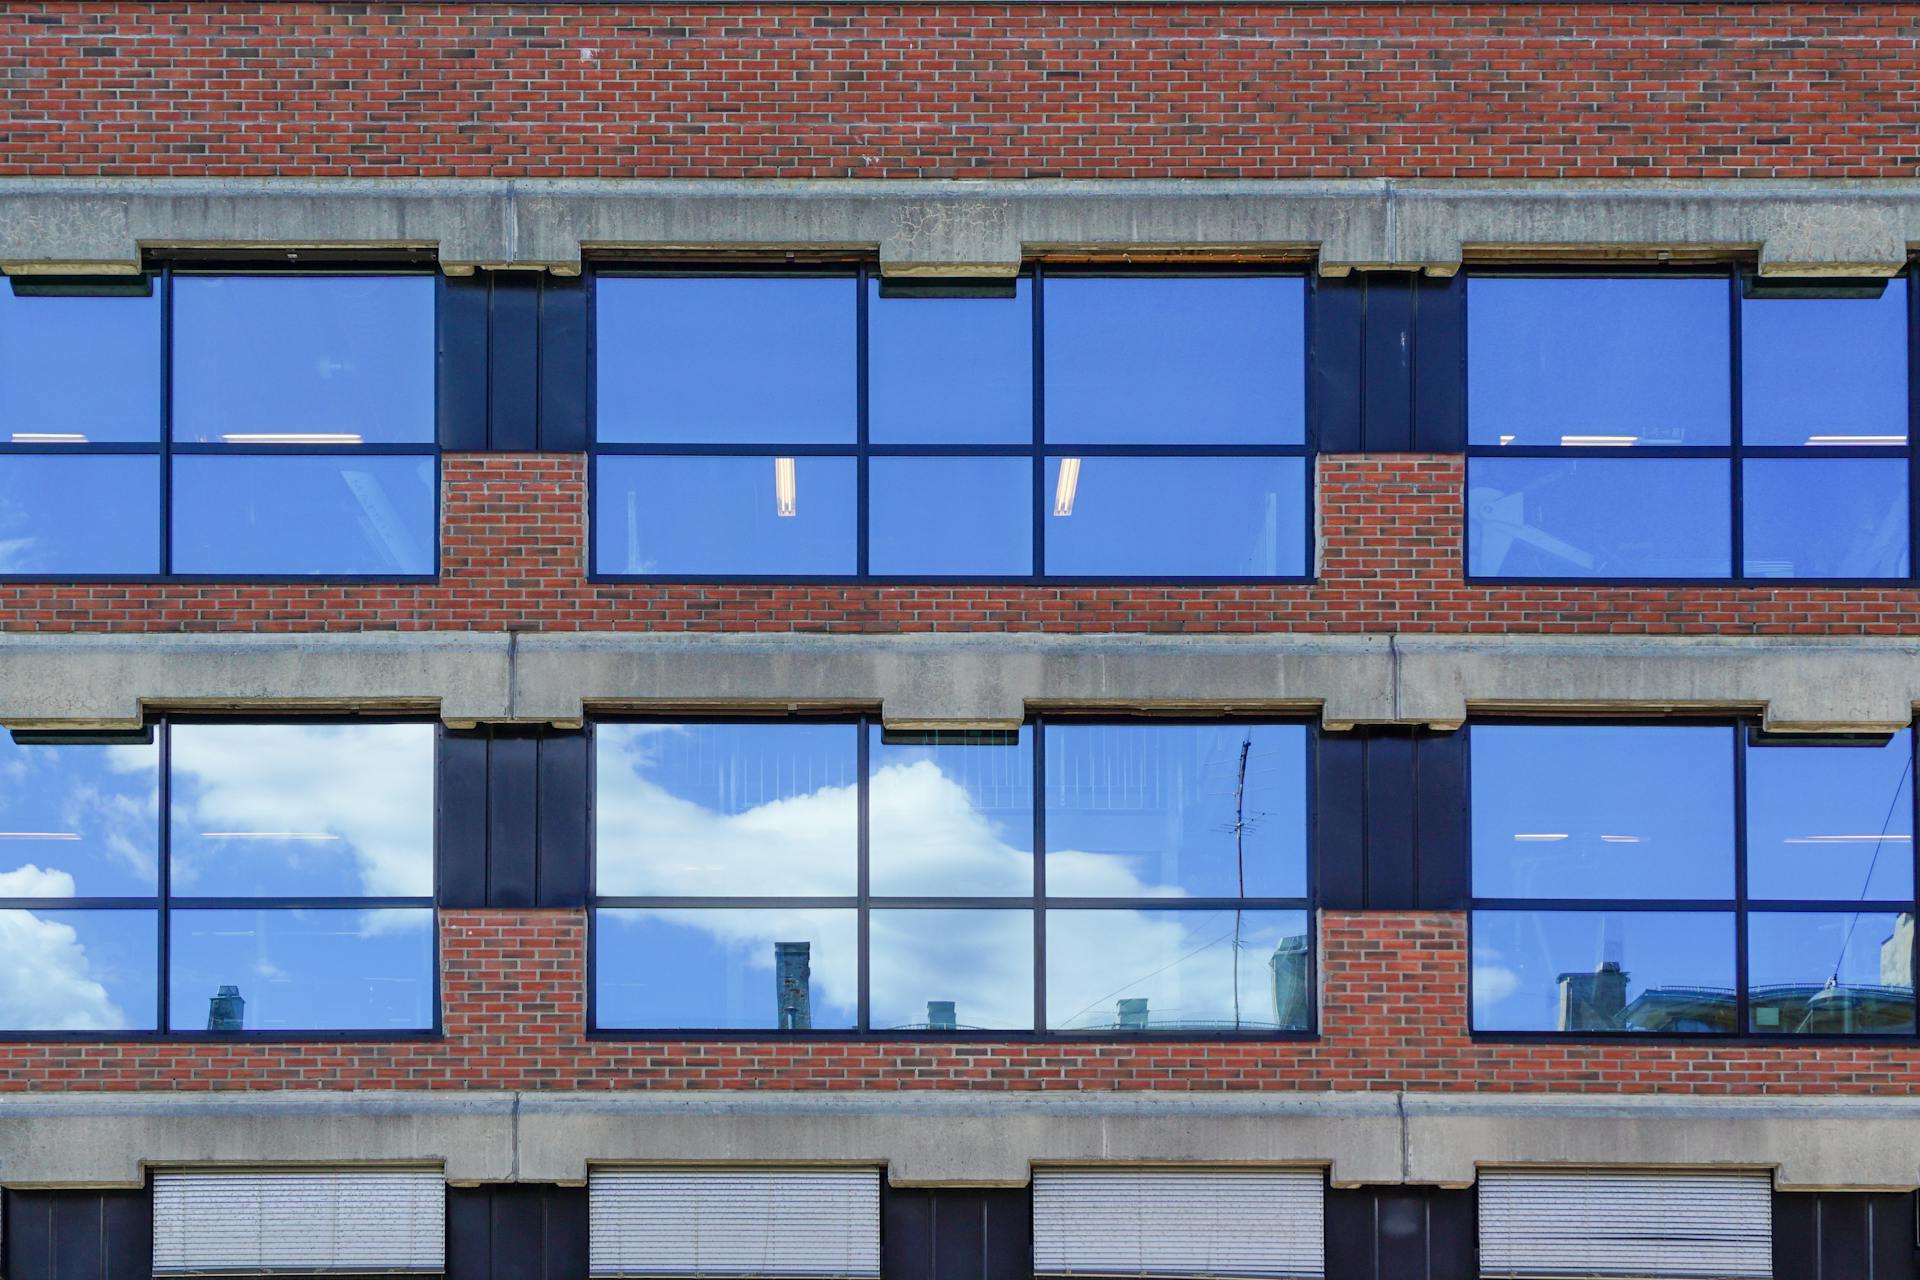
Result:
{"points": [[1736, 491], [862, 507], [1741, 1012], [863, 1016], [163, 930], [166, 420], [1037, 433], [1039, 730]]}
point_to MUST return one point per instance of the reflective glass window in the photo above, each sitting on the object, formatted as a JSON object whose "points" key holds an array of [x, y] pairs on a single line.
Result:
{"points": [[1830, 973], [1827, 822], [1583, 517], [775, 969], [94, 970], [951, 814], [1825, 371], [79, 514], [76, 819], [1825, 517], [288, 971], [350, 515], [952, 970], [934, 517], [79, 369], [1177, 971], [723, 516], [1604, 971], [950, 370], [1176, 517]]}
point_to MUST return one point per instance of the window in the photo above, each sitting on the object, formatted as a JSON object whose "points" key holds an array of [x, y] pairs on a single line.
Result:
{"points": [[312, 1222], [835, 426], [1690, 879], [1180, 1223], [288, 887], [206, 425], [1079, 877], [646, 1224], [1670, 1225], [1681, 427]]}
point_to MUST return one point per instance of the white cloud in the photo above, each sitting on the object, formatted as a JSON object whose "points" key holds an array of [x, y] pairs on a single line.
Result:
{"points": [[47, 983]]}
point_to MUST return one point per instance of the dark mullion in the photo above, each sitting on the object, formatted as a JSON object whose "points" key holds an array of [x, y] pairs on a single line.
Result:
{"points": [[1037, 435], [100, 448], [1672, 905], [1736, 435], [299, 904], [1575, 452], [166, 434], [644, 902], [413, 449], [863, 505], [863, 1012], [79, 904], [1741, 1013]]}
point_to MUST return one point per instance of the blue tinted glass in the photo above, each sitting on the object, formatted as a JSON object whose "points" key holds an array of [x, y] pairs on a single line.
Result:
{"points": [[950, 370], [1620, 361], [302, 810], [717, 810], [348, 359], [1602, 811], [1598, 518], [1830, 822], [1152, 811], [79, 367], [1147, 360], [330, 970], [725, 969], [1825, 517], [1829, 973], [1164, 971], [950, 813], [1824, 370], [725, 516], [78, 970], [744, 360], [941, 516], [62, 514], [1176, 517], [952, 970], [304, 516], [79, 820], [1603, 971]]}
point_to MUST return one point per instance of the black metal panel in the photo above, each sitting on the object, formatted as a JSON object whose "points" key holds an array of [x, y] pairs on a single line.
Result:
{"points": [[1842, 1235], [563, 365], [1339, 336], [1387, 426], [1340, 821], [1392, 852], [1401, 1233], [523, 1231], [565, 813], [513, 800], [512, 828], [1389, 363], [1440, 364], [77, 1235], [956, 1233], [462, 365], [1442, 877], [1390, 829], [460, 819], [513, 362]]}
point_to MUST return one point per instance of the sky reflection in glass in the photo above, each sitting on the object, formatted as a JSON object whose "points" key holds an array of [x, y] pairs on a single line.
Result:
{"points": [[951, 813], [78, 820], [324, 970], [938, 517], [78, 970], [1825, 517], [79, 514], [718, 968], [1178, 971], [725, 516], [950, 370], [1825, 370], [1178, 517], [1603, 971], [86, 367], [1599, 518], [979, 962], [1813, 973], [348, 515], [1830, 823]]}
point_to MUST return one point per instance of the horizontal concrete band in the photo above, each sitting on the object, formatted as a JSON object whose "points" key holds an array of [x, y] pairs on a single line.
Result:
{"points": [[967, 227], [961, 1140], [1812, 684]]}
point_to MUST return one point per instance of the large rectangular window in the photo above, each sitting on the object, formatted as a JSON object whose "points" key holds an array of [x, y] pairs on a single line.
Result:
{"points": [[1078, 877], [1687, 427], [1690, 879], [219, 876], [828, 425]]}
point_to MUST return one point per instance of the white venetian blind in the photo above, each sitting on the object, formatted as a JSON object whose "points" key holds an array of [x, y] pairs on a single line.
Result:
{"points": [[1649, 1226], [1099, 1222], [799, 1222], [346, 1222]]}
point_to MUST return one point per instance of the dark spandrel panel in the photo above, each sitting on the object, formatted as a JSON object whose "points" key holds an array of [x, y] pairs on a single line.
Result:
{"points": [[1176, 517], [1599, 518], [950, 516], [1602, 811], [950, 370], [1152, 810], [336, 516], [78, 970], [1612, 361], [1824, 370], [1830, 822], [1172, 971], [78, 820], [79, 370], [950, 814], [346, 358], [720, 810], [1829, 973], [726, 516], [1603, 971], [942, 970], [716, 360], [725, 969], [1825, 517], [62, 514], [302, 970], [1170, 361]]}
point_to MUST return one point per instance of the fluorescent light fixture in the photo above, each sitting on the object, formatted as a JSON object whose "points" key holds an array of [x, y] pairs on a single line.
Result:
{"points": [[1066, 487], [1847, 839], [786, 488], [1599, 440], [292, 437], [268, 835], [1620, 839], [39, 835], [1849, 439], [1539, 835], [48, 437]]}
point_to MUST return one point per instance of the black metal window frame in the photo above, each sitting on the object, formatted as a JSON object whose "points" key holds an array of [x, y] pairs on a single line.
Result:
{"points": [[1741, 733], [160, 277], [864, 902], [163, 903], [863, 449], [1734, 453]]}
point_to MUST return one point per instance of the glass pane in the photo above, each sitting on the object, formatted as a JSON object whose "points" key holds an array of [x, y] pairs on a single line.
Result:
{"points": [[303, 810], [1833, 823], [301, 970], [1176, 517], [66, 514], [726, 516], [726, 969], [314, 359], [79, 821], [301, 516], [1175, 811], [1602, 811], [1829, 973], [1825, 370], [950, 813], [722, 810], [1603, 971], [713, 360], [1166, 971], [1163, 360], [950, 370], [1825, 517], [79, 369], [1598, 362], [1598, 518], [940, 516], [952, 970], [79, 970]]}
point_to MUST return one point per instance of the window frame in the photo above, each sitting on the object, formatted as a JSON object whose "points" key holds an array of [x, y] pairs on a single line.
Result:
{"points": [[1038, 903], [860, 273]]}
